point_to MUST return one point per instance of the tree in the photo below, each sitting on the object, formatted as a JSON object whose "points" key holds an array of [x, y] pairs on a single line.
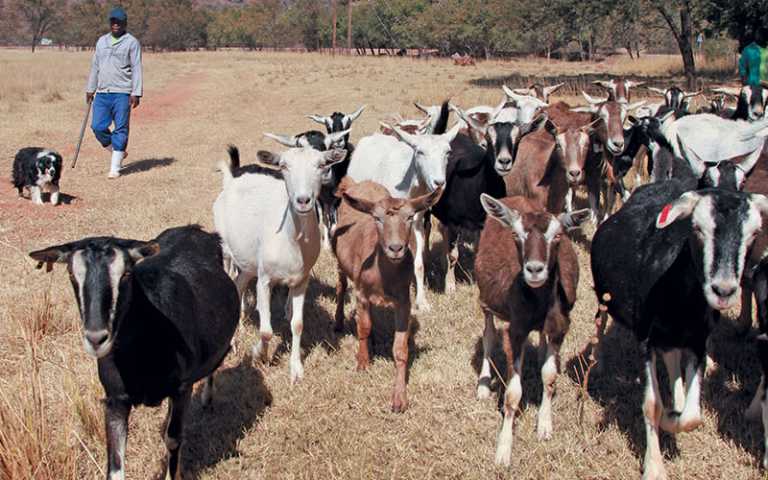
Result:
{"points": [[39, 16], [682, 29], [741, 19]]}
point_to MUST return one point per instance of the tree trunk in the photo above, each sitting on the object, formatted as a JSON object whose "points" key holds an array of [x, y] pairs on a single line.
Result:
{"points": [[333, 35], [683, 37], [349, 26], [686, 45]]}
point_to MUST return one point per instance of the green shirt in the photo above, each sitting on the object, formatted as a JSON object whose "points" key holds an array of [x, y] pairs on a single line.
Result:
{"points": [[750, 64]]}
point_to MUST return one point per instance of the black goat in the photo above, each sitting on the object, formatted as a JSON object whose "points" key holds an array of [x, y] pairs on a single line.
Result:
{"points": [[664, 266], [158, 316], [471, 172]]}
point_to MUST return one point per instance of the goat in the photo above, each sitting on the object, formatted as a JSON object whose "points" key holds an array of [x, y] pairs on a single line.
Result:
{"points": [[552, 162], [407, 166], [463, 60], [751, 101], [269, 229], [327, 202], [698, 133], [539, 91], [527, 273], [675, 97], [471, 172], [371, 244], [158, 316], [663, 266], [618, 88]]}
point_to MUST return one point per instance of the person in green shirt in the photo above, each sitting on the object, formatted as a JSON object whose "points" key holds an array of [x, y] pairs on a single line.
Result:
{"points": [[750, 63]]}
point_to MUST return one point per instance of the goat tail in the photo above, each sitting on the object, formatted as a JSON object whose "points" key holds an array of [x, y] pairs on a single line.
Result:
{"points": [[228, 166]]}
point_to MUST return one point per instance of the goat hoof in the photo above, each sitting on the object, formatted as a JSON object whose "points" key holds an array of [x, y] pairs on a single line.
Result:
{"points": [[544, 431], [483, 392], [423, 307], [399, 403]]}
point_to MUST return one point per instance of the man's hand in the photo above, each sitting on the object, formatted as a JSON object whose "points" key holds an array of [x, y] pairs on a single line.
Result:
{"points": [[89, 97], [134, 101]]}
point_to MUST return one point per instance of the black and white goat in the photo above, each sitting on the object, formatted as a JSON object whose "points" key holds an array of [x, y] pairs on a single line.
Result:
{"points": [[675, 98], [37, 169], [751, 101], [471, 172], [158, 316], [663, 266]]}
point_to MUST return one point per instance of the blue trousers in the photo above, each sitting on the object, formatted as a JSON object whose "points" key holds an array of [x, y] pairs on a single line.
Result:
{"points": [[108, 108]]}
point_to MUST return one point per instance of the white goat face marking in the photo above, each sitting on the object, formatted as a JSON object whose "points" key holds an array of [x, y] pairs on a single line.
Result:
{"points": [[431, 158], [116, 272], [302, 171], [527, 107], [79, 269]]}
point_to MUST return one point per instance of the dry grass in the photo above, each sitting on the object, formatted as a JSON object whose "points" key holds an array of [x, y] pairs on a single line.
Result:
{"points": [[336, 423]]}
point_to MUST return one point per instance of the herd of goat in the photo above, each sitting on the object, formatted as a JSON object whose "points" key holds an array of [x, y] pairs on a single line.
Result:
{"points": [[159, 315]]}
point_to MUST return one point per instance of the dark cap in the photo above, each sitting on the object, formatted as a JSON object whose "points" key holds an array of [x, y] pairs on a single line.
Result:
{"points": [[118, 14]]}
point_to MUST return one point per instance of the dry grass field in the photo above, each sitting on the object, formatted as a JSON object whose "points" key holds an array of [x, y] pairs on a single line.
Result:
{"points": [[336, 423]]}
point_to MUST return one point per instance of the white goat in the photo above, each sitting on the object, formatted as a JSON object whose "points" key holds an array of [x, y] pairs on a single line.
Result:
{"points": [[407, 166], [713, 139], [269, 229]]}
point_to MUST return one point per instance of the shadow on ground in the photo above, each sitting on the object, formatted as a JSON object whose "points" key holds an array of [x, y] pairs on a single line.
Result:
{"points": [[211, 434], [318, 326], [146, 164], [618, 388]]}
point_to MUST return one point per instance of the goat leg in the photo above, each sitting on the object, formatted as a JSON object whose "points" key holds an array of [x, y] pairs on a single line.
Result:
{"points": [[116, 420], [174, 431], [400, 354]]}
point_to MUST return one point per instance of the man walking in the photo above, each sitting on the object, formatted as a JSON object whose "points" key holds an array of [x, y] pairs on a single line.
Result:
{"points": [[114, 87], [750, 62]]}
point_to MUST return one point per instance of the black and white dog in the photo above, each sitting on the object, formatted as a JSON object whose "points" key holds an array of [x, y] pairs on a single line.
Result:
{"points": [[36, 169]]}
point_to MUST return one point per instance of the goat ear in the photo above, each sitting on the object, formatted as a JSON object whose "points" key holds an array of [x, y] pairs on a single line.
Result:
{"points": [[760, 202], [635, 105], [359, 204], [679, 209], [143, 250], [592, 100], [353, 116], [549, 170], [500, 212], [573, 220], [657, 91], [268, 160], [56, 254], [426, 201], [287, 140], [334, 156], [536, 124], [589, 109], [322, 120], [633, 84]]}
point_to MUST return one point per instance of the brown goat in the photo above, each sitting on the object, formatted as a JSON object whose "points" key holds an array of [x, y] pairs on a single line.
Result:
{"points": [[371, 244], [527, 272], [551, 163], [756, 182]]}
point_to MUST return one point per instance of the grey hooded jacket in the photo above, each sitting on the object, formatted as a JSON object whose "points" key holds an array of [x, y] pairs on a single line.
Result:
{"points": [[116, 68]]}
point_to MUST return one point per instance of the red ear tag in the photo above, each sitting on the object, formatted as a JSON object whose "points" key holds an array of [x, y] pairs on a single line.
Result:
{"points": [[665, 214]]}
